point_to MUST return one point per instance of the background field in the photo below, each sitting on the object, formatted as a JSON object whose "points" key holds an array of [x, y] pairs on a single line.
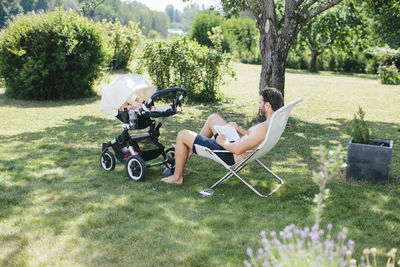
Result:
{"points": [[58, 207]]}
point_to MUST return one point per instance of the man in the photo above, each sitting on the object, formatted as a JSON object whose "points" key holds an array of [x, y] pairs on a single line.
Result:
{"points": [[270, 100]]}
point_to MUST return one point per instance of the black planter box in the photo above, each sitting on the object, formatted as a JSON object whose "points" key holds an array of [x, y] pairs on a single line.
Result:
{"points": [[369, 162]]}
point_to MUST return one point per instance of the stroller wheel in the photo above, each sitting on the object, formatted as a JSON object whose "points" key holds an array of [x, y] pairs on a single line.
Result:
{"points": [[171, 157], [107, 160], [136, 168]]}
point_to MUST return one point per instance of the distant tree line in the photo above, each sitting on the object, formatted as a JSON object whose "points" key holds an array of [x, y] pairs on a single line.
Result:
{"points": [[110, 10]]}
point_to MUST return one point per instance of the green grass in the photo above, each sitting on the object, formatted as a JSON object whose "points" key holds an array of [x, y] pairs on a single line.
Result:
{"points": [[59, 207]]}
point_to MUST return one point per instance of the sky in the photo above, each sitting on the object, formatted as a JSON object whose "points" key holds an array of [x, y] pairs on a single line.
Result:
{"points": [[159, 5]]}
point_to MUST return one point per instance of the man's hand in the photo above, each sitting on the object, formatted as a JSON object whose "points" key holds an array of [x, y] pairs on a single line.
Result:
{"points": [[234, 124]]}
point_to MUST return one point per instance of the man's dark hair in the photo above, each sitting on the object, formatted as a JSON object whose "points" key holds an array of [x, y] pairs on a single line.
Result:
{"points": [[273, 96]]}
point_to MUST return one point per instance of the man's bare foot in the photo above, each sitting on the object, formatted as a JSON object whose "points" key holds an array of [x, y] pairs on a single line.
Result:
{"points": [[172, 180]]}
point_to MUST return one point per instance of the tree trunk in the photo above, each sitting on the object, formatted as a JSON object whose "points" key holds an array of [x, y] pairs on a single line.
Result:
{"points": [[313, 61], [273, 60]]}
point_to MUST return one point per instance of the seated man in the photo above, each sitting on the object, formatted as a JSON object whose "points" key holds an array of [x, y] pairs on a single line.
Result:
{"points": [[270, 100]]}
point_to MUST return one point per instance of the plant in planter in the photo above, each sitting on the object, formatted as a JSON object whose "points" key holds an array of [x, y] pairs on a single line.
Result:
{"points": [[367, 159]]}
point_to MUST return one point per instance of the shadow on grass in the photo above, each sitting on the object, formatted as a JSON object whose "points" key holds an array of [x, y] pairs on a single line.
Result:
{"points": [[334, 73], [54, 186], [12, 102]]}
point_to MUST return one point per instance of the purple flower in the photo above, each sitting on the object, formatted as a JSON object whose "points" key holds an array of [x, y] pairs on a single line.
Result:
{"points": [[320, 232], [273, 234], [329, 227], [343, 262], [247, 263], [351, 244], [260, 251], [314, 237], [249, 252], [318, 261], [303, 234], [300, 244], [264, 241], [262, 234]]}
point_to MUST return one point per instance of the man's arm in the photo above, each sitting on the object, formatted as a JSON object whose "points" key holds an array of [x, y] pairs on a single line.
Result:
{"points": [[246, 142]]}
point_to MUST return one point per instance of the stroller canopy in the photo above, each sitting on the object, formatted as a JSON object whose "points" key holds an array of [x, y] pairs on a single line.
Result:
{"points": [[128, 87]]}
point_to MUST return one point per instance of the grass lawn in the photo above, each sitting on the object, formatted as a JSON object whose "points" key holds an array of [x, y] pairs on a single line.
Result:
{"points": [[59, 207]]}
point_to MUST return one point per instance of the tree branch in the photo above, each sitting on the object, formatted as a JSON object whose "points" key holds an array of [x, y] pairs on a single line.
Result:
{"points": [[330, 41], [307, 5], [298, 3], [252, 10], [319, 9]]}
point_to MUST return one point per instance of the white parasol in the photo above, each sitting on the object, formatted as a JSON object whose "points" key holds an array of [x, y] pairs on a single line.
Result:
{"points": [[128, 87]]}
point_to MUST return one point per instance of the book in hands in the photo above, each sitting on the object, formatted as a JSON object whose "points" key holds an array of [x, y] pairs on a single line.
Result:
{"points": [[229, 131]]}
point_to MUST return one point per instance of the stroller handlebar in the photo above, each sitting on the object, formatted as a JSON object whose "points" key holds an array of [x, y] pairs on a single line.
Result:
{"points": [[177, 101]]}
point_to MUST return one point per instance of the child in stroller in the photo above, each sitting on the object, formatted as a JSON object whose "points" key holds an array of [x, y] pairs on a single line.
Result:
{"points": [[131, 99]]}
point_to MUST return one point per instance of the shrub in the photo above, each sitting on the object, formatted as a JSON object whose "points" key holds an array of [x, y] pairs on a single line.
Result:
{"points": [[389, 74], [123, 41], [55, 55], [242, 37], [360, 129], [183, 63], [202, 24], [250, 57]]}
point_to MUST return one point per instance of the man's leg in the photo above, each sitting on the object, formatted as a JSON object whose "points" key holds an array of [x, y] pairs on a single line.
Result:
{"points": [[183, 146], [208, 128]]}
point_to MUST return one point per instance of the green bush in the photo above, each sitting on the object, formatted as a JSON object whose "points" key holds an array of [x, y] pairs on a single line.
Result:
{"points": [[250, 57], [389, 74], [184, 63], [202, 24], [55, 55], [123, 41], [242, 37]]}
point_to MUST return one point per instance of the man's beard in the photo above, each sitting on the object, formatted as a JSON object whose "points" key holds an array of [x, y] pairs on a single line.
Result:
{"points": [[261, 112]]}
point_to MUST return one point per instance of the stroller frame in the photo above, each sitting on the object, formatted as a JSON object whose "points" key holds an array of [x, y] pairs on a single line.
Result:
{"points": [[145, 117]]}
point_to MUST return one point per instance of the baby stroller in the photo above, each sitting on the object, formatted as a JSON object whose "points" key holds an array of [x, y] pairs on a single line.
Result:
{"points": [[134, 150]]}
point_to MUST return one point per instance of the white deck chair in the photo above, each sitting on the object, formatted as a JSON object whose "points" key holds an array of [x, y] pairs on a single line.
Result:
{"points": [[275, 129]]}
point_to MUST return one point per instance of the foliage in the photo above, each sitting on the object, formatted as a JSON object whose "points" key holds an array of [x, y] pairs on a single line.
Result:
{"points": [[216, 37], [389, 74], [183, 63], [8, 8], [55, 55], [123, 41], [305, 247], [153, 34], [385, 55], [334, 26], [242, 38], [202, 24], [385, 15], [125, 12], [360, 130]]}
